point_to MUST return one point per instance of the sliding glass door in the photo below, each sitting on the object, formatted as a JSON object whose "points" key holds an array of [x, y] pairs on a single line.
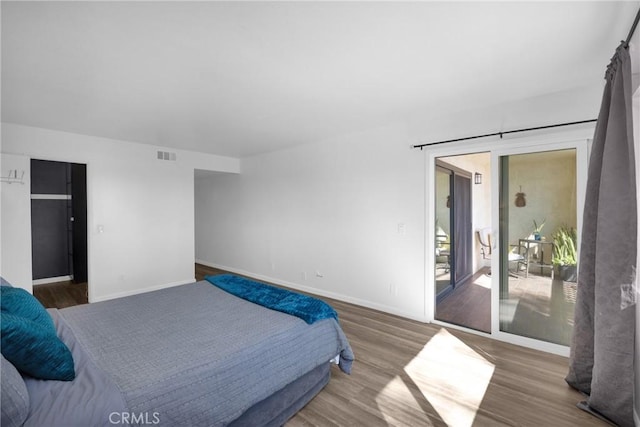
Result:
{"points": [[442, 241], [538, 222], [462, 291], [520, 219]]}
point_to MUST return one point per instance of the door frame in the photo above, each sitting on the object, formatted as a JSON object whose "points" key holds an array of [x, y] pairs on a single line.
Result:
{"points": [[89, 208], [580, 139]]}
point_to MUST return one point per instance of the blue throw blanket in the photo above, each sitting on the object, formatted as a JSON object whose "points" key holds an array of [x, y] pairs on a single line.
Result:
{"points": [[305, 307]]}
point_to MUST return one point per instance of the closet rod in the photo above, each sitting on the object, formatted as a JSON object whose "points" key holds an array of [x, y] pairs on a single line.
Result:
{"points": [[421, 146]]}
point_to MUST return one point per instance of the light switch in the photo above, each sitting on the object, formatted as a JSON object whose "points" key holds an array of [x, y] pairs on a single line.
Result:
{"points": [[402, 228]]}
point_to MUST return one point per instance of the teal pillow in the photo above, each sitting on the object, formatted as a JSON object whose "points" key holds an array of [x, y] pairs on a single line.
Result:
{"points": [[34, 349], [21, 303]]}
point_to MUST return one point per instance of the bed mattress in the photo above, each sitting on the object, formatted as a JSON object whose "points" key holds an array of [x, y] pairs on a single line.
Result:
{"points": [[188, 355]]}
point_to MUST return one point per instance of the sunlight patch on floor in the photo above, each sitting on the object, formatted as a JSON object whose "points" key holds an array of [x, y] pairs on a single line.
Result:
{"points": [[508, 309], [394, 398], [452, 377], [484, 281]]}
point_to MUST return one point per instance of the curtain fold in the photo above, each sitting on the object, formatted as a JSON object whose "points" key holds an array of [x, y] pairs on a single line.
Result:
{"points": [[602, 347]]}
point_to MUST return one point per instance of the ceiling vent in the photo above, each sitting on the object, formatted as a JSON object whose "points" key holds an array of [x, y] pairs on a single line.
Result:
{"points": [[166, 155]]}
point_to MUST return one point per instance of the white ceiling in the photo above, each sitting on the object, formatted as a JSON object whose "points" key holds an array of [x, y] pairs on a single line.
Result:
{"points": [[240, 78]]}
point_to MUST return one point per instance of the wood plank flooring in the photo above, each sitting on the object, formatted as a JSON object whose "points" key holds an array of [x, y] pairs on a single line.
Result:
{"points": [[470, 304], [408, 373], [61, 294], [538, 307], [411, 374]]}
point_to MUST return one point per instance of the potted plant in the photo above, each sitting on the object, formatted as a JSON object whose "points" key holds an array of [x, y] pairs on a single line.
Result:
{"points": [[537, 229], [565, 254]]}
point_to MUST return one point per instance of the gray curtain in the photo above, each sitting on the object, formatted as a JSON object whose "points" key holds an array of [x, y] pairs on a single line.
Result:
{"points": [[462, 232], [602, 347]]}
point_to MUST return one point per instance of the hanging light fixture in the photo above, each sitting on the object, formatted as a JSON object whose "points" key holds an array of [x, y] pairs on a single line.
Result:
{"points": [[520, 199]]}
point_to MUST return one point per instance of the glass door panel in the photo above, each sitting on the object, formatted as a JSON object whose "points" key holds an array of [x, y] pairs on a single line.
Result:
{"points": [[462, 280], [453, 244], [442, 242], [538, 248]]}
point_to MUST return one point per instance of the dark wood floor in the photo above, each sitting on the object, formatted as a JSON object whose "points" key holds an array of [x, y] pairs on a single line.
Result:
{"points": [[470, 304], [538, 306], [409, 373], [203, 270], [61, 294]]}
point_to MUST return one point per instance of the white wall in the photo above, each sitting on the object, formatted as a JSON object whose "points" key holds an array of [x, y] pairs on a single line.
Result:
{"points": [[144, 206], [15, 228], [335, 207]]}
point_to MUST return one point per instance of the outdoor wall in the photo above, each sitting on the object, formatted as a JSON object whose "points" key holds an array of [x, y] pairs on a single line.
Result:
{"points": [[548, 180], [140, 209]]}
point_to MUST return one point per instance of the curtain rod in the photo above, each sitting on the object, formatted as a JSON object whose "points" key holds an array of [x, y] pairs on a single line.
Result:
{"points": [[421, 146], [633, 27]]}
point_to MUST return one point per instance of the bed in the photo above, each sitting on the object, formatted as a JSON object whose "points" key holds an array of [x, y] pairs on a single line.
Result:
{"points": [[188, 355]]}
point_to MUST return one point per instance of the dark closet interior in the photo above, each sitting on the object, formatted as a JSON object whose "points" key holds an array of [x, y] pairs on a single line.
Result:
{"points": [[58, 221]]}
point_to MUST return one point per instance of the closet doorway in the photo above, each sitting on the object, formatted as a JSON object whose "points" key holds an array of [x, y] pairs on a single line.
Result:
{"points": [[59, 224]]}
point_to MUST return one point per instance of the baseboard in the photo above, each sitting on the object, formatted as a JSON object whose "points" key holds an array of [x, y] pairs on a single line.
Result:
{"points": [[51, 280], [316, 291], [139, 291]]}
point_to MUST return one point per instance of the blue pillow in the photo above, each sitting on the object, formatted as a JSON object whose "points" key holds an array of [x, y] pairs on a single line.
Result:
{"points": [[34, 349], [21, 303]]}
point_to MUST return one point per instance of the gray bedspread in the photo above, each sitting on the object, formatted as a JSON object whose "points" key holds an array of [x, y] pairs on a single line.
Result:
{"points": [[195, 355], [88, 400]]}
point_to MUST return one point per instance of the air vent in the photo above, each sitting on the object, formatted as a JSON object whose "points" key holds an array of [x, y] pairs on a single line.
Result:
{"points": [[166, 155]]}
